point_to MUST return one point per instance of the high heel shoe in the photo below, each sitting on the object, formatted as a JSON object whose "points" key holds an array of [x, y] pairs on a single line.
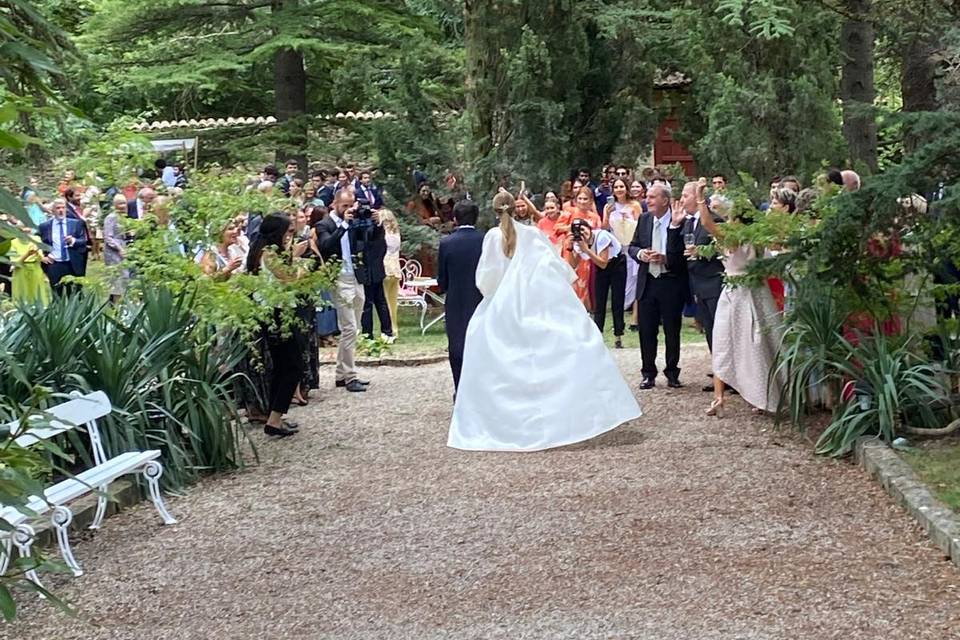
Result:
{"points": [[716, 408]]}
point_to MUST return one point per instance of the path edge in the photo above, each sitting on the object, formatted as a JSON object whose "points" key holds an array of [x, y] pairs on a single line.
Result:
{"points": [[397, 361], [941, 524]]}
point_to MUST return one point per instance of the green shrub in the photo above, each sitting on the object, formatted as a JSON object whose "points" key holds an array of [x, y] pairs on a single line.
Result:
{"points": [[170, 379]]}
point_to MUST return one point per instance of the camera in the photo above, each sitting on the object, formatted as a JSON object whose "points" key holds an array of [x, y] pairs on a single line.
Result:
{"points": [[362, 217], [576, 229]]}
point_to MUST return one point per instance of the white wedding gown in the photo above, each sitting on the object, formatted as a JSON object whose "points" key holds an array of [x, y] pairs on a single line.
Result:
{"points": [[536, 373]]}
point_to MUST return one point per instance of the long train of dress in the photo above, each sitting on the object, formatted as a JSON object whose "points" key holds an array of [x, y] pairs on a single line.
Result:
{"points": [[536, 373]]}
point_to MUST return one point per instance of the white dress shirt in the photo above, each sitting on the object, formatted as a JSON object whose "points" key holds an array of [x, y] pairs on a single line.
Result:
{"points": [[59, 250], [346, 256]]}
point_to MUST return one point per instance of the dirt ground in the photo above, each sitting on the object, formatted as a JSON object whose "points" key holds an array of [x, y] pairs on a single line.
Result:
{"points": [[366, 525]]}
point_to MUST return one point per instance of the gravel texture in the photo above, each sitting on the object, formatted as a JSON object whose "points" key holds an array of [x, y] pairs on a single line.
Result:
{"points": [[367, 526]]}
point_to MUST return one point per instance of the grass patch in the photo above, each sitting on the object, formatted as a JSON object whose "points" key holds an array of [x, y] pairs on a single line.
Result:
{"points": [[938, 465]]}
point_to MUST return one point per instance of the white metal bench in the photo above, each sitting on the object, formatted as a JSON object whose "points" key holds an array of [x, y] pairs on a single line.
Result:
{"points": [[81, 410]]}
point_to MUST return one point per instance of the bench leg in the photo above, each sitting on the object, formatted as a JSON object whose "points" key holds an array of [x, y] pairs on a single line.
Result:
{"points": [[6, 548], [101, 508], [152, 472], [61, 519], [23, 539]]}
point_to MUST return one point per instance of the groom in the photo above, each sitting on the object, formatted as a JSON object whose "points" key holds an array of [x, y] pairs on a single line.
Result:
{"points": [[458, 258]]}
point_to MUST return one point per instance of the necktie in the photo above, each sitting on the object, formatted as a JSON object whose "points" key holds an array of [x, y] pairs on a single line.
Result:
{"points": [[656, 245], [63, 244]]}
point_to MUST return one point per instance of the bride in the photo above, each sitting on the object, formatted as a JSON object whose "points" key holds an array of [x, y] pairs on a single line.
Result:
{"points": [[536, 373]]}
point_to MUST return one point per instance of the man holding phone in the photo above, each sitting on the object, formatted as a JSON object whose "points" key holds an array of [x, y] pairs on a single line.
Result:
{"points": [[657, 246]]}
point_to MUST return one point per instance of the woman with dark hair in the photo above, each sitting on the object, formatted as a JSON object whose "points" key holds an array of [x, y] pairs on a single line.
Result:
{"points": [[276, 234], [425, 207], [620, 218]]}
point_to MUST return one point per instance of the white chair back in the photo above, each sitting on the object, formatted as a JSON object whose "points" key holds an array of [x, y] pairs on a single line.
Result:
{"points": [[410, 269]]}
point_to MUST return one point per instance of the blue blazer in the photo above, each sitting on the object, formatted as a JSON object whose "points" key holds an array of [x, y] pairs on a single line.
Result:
{"points": [[456, 276], [77, 254]]}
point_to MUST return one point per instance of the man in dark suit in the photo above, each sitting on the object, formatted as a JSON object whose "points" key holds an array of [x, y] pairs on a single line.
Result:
{"points": [[343, 237], [706, 274], [457, 264], [661, 283], [67, 238], [373, 294], [136, 209], [367, 192]]}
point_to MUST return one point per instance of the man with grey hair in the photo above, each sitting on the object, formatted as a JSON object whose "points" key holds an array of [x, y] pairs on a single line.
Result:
{"points": [[706, 274], [138, 208], [851, 180], [657, 246], [68, 242]]}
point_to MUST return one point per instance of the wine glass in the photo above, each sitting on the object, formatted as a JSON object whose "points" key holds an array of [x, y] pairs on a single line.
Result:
{"points": [[689, 241]]}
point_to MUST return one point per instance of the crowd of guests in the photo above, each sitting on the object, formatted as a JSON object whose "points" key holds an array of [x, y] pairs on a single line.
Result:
{"points": [[335, 214], [635, 241], [632, 238]]}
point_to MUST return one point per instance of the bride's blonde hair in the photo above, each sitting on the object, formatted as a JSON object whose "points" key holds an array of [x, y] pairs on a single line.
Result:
{"points": [[504, 206]]}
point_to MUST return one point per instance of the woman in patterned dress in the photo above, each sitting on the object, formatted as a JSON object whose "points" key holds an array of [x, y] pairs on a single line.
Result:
{"points": [[746, 330]]}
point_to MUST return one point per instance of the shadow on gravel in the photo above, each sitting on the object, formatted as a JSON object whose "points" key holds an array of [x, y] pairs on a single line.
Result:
{"points": [[622, 436]]}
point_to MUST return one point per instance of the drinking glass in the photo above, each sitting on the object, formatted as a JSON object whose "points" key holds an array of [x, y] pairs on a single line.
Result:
{"points": [[689, 241]]}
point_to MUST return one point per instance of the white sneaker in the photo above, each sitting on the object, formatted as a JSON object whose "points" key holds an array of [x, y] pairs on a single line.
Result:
{"points": [[388, 339]]}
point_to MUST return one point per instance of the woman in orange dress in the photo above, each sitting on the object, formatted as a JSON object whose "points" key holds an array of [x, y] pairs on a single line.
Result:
{"points": [[585, 209]]}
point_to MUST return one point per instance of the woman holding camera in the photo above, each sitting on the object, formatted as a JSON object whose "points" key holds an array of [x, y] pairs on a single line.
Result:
{"points": [[583, 209], [604, 251]]}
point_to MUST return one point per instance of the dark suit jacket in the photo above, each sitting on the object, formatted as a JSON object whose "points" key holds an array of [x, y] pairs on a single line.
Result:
{"points": [[457, 277], [375, 201], [132, 209], [368, 246], [77, 254], [325, 194], [676, 262], [706, 276]]}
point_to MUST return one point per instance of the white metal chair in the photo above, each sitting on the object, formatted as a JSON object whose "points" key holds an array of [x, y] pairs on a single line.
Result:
{"points": [[411, 296]]}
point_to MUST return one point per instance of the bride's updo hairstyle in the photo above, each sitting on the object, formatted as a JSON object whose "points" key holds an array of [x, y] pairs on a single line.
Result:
{"points": [[504, 206]]}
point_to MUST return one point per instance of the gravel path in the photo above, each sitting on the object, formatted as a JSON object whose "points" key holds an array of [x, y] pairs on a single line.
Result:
{"points": [[367, 526]]}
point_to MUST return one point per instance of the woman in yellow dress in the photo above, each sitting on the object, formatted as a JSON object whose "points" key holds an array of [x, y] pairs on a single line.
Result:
{"points": [[29, 283]]}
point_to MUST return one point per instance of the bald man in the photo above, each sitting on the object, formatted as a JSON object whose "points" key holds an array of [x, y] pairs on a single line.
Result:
{"points": [[851, 180]]}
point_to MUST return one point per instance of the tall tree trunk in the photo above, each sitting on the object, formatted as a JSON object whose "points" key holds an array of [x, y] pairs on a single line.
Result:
{"points": [[856, 83], [918, 86], [290, 98], [480, 71]]}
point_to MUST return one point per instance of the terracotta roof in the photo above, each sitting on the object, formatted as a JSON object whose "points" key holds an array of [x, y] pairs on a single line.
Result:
{"points": [[218, 123], [670, 80]]}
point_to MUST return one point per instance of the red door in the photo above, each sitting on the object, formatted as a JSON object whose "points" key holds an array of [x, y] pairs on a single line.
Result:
{"points": [[666, 150]]}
